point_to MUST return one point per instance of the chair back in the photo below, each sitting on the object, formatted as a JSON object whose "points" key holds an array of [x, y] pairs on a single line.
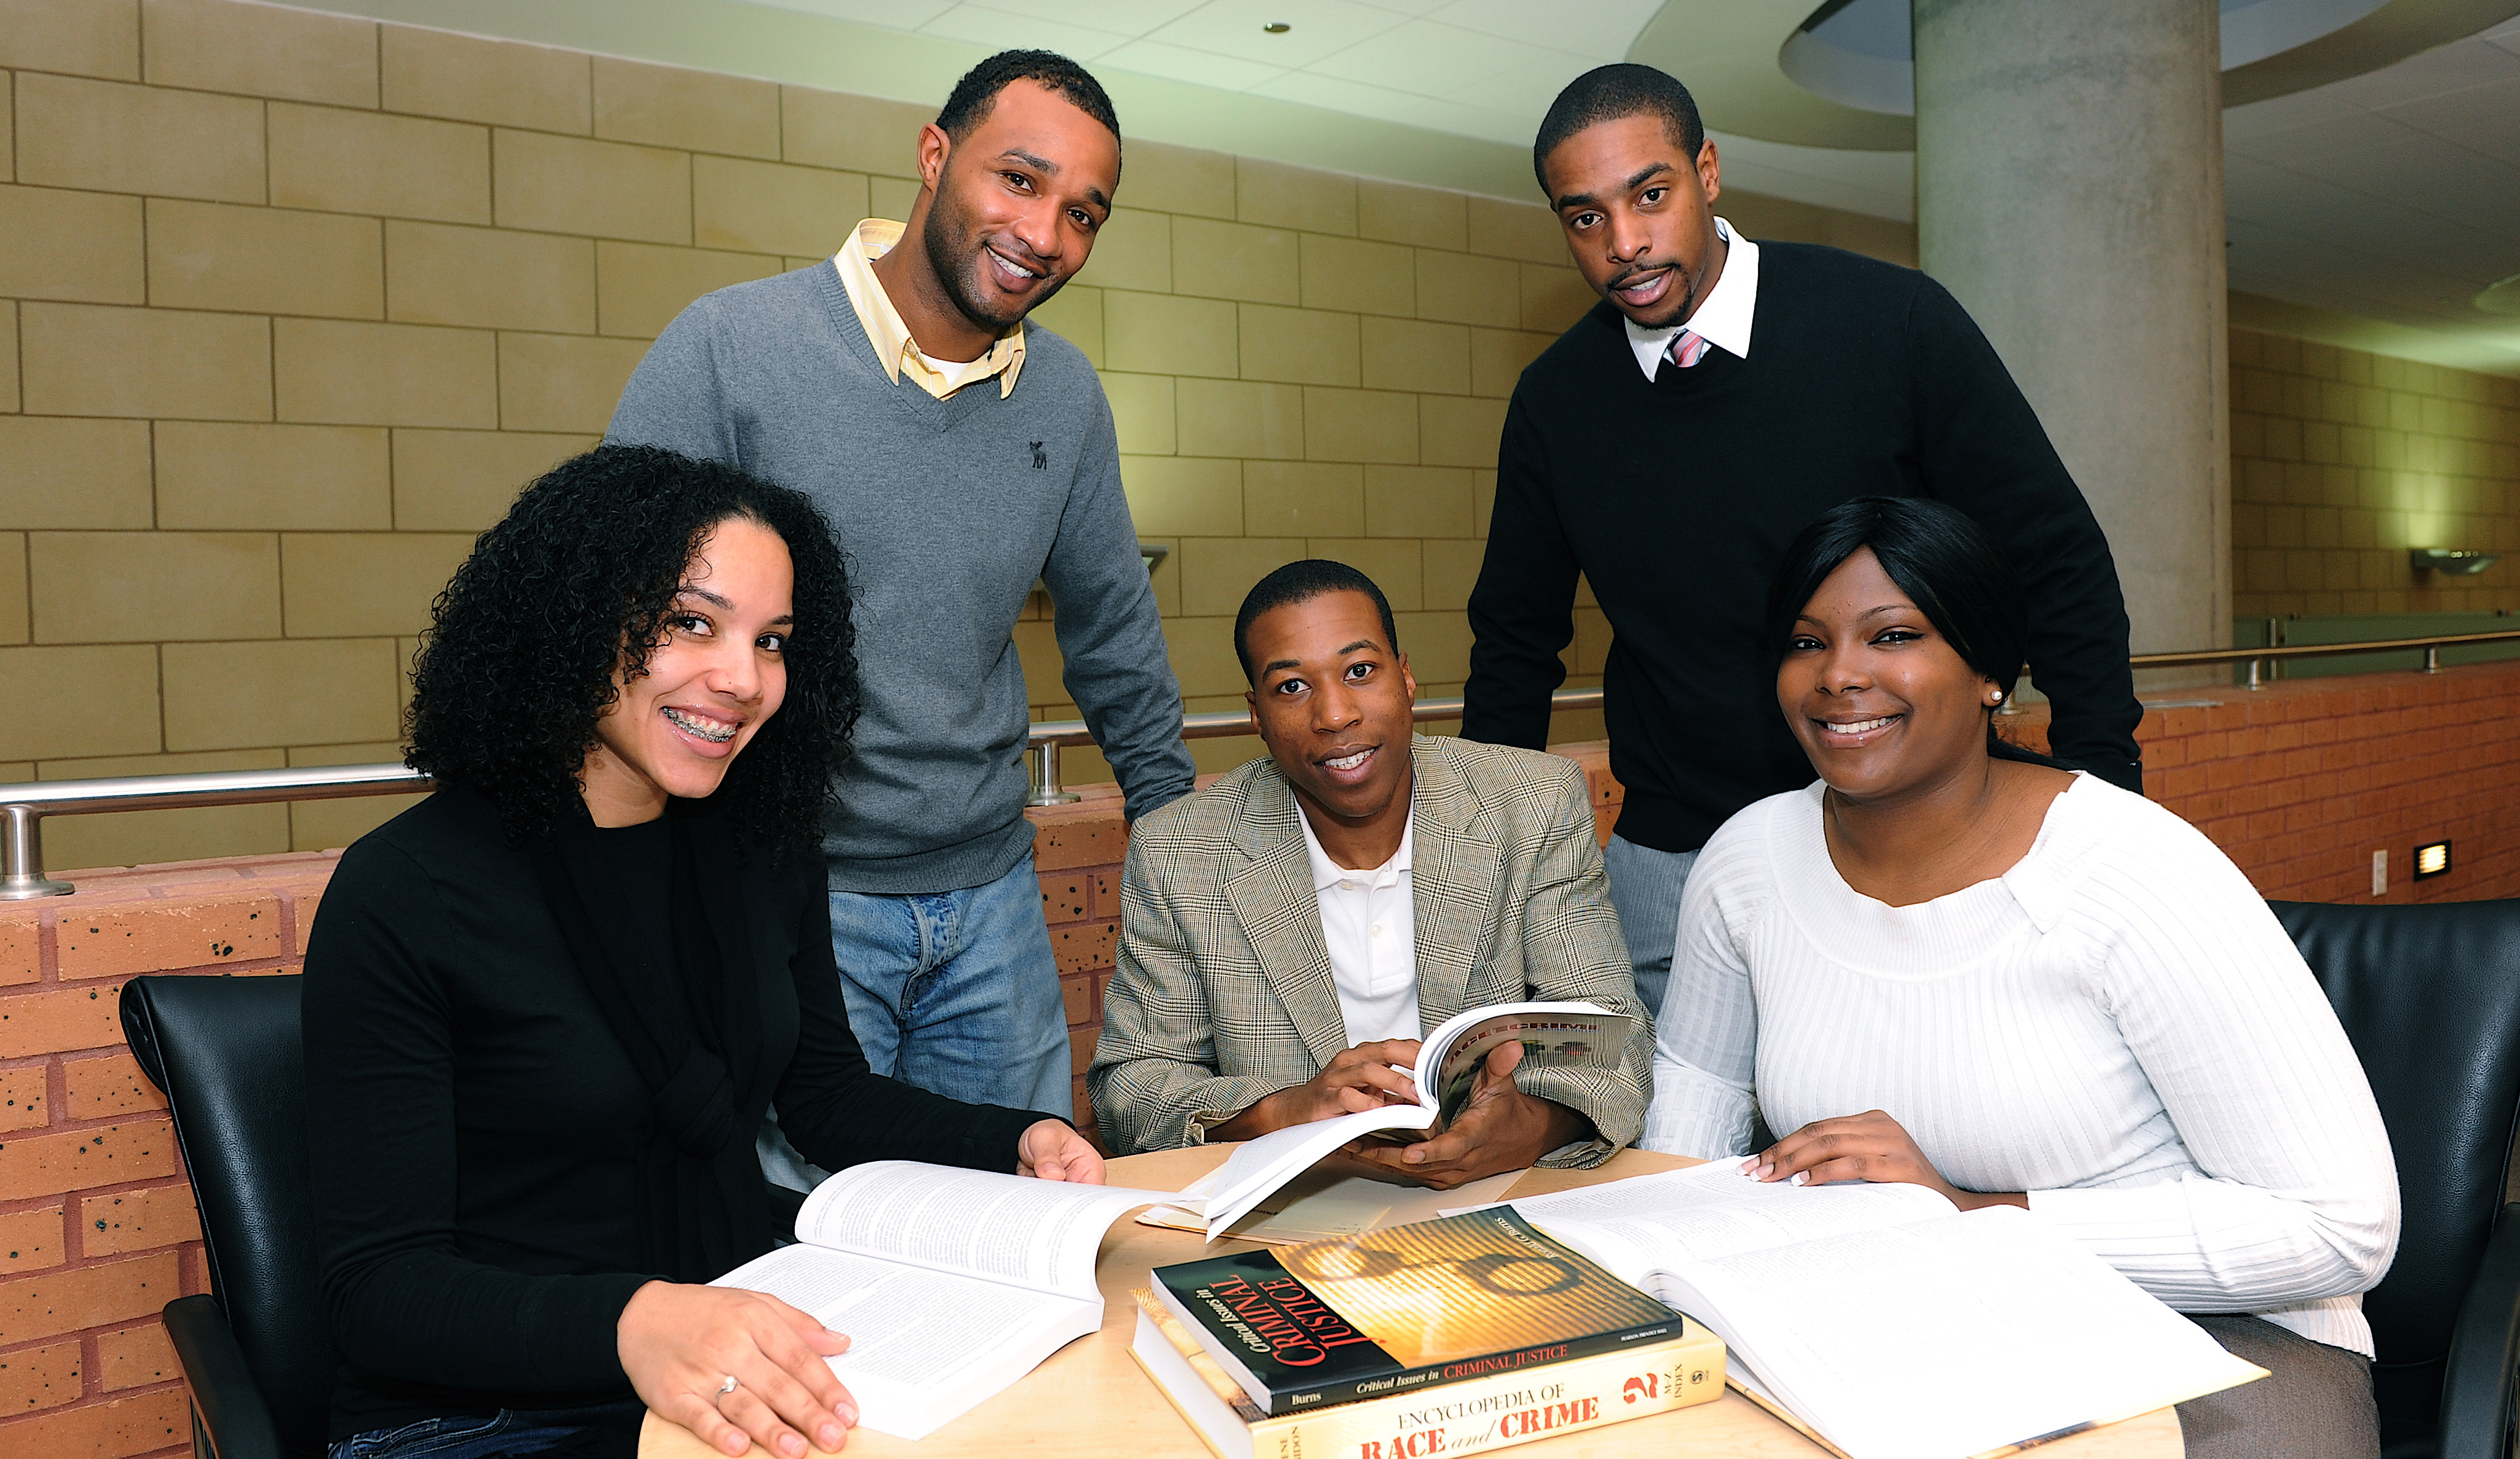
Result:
{"points": [[228, 1054], [2430, 997]]}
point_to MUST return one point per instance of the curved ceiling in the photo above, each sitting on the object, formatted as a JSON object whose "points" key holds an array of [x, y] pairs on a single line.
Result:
{"points": [[1838, 75], [1858, 52]]}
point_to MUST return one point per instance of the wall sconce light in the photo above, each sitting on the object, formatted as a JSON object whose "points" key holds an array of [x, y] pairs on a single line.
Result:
{"points": [[2451, 563], [2432, 861]]}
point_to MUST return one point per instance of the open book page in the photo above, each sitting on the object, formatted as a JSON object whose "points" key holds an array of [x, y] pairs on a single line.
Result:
{"points": [[1448, 1064], [1321, 1204], [1551, 1034], [1635, 1225], [1032, 1233], [925, 1346], [1948, 1337], [1258, 1166]]}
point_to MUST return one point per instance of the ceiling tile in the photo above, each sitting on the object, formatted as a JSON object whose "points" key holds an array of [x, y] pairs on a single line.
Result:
{"points": [[1424, 57], [2351, 132], [1001, 30], [1525, 91], [2483, 118], [1181, 63], [1130, 17], [891, 15], [2284, 113], [1602, 29], [2451, 68], [1319, 27], [1341, 95]]}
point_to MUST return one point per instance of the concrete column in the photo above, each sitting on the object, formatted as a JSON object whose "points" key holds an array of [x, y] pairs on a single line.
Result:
{"points": [[2069, 192]]}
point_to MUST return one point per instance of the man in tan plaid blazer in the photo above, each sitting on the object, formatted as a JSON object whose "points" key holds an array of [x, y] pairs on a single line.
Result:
{"points": [[1229, 1017]]}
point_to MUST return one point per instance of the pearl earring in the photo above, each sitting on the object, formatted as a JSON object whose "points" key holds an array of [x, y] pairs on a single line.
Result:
{"points": [[1996, 698]]}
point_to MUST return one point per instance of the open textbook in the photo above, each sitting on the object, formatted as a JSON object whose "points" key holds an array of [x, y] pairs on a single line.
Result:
{"points": [[1886, 1321], [1448, 1060], [951, 1284]]}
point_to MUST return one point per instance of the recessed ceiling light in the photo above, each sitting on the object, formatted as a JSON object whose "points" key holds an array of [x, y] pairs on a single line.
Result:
{"points": [[1277, 28]]}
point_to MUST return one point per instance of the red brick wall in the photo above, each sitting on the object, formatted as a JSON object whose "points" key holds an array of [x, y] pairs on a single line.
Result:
{"points": [[2299, 782]]}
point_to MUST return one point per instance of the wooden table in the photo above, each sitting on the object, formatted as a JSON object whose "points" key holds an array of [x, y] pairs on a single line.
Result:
{"points": [[1090, 1401]]}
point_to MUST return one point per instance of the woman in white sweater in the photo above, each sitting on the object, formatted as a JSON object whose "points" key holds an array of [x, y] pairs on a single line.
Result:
{"points": [[1959, 965]]}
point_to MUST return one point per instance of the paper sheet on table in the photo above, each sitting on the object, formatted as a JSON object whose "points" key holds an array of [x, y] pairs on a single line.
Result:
{"points": [[1320, 1206]]}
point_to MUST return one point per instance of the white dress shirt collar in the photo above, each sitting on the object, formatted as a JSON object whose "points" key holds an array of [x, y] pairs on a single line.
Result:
{"points": [[1370, 928], [1327, 873], [1723, 317]]}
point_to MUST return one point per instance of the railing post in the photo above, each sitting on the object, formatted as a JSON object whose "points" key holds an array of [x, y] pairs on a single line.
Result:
{"points": [[1046, 790], [2253, 671], [2432, 659], [22, 856]]}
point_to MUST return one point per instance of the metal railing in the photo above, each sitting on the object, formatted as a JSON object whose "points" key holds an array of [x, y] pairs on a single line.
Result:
{"points": [[2258, 658], [23, 808]]}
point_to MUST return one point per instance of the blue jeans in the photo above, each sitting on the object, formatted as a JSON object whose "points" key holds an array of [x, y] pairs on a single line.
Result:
{"points": [[954, 992], [508, 1432], [1645, 887]]}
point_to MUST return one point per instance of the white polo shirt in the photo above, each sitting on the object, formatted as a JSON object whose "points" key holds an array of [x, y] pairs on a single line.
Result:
{"points": [[1371, 924], [1723, 317]]}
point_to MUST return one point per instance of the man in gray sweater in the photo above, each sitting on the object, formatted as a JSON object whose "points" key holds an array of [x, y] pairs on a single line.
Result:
{"points": [[960, 455]]}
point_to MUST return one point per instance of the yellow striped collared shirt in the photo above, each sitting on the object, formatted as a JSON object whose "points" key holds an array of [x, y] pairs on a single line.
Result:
{"points": [[900, 354]]}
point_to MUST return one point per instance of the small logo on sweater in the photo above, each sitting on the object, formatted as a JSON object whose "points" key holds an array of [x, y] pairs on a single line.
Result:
{"points": [[1040, 458]]}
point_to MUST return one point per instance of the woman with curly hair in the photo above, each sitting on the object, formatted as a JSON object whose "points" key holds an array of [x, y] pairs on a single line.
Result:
{"points": [[547, 1007]]}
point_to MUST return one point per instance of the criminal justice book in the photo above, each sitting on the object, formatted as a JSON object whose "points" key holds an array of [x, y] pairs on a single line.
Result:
{"points": [[1405, 1308], [1492, 1412]]}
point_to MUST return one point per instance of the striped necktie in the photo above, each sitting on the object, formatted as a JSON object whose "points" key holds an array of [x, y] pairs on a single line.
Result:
{"points": [[1687, 348]]}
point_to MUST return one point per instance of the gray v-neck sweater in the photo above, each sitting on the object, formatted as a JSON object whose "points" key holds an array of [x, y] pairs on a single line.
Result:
{"points": [[948, 509]]}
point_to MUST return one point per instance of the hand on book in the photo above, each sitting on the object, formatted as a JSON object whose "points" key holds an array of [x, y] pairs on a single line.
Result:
{"points": [[680, 1343], [1502, 1128], [1355, 1080], [1869, 1146], [1053, 1150]]}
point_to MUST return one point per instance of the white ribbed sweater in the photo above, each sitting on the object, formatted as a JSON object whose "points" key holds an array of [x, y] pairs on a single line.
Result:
{"points": [[2117, 1025]]}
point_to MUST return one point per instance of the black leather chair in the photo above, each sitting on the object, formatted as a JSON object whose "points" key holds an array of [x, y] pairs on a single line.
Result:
{"points": [[257, 1352], [2430, 995], [258, 1363]]}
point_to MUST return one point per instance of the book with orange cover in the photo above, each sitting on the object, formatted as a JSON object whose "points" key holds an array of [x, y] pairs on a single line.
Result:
{"points": [[1404, 1309], [1492, 1412]]}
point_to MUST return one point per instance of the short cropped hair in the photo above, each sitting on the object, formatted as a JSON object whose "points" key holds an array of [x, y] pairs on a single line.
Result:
{"points": [[1302, 582], [1607, 93], [574, 584], [976, 93]]}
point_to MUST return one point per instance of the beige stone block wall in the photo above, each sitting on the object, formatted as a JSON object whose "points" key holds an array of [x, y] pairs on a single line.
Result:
{"points": [[292, 305], [2342, 461]]}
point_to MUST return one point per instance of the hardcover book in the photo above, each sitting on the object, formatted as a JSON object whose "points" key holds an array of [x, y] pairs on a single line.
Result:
{"points": [[1480, 1413], [1404, 1309]]}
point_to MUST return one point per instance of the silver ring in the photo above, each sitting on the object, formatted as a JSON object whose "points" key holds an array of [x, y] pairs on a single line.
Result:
{"points": [[727, 1386]]}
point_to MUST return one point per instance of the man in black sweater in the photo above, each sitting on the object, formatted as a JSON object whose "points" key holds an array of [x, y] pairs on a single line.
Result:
{"points": [[1654, 450]]}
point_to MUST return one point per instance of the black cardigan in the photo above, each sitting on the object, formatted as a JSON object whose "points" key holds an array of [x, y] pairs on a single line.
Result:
{"points": [[474, 1126], [1676, 499]]}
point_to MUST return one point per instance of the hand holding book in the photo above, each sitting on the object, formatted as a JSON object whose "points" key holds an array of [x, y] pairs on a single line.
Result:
{"points": [[1495, 1127]]}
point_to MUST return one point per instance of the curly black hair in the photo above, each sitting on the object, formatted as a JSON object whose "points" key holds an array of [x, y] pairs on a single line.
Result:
{"points": [[518, 663]]}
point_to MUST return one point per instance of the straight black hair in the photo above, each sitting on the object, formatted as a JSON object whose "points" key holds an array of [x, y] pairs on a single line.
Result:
{"points": [[1302, 582], [1946, 564]]}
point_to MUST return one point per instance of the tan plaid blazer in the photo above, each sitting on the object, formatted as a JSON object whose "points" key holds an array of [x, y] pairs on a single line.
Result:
{"points": [[1224, 992]]}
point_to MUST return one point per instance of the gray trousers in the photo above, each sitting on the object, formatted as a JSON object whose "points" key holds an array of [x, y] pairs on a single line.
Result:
{"points": [[2315, 1404], [1646, 886]]}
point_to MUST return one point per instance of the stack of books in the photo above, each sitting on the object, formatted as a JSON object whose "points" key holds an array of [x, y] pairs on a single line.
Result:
{"points": [[1472, 1332]]}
